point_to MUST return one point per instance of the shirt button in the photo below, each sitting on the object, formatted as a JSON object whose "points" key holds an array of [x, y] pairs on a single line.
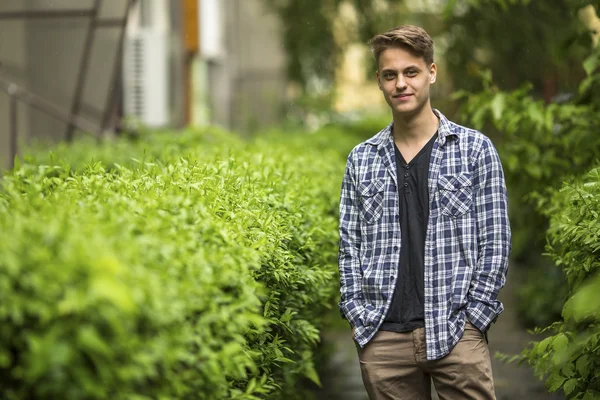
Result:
{"points": [[396, 249], [406, 185], [406, 175]]}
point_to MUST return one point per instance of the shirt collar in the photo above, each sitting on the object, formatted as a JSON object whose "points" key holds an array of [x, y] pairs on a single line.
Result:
{"points": [[445, 129]]}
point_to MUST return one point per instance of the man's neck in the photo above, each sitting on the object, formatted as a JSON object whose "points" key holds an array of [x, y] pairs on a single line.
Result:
{"points": [[416, 128]]}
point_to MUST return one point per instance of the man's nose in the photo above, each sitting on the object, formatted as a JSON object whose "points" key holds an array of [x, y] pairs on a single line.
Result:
{"points": [[400, 82]]}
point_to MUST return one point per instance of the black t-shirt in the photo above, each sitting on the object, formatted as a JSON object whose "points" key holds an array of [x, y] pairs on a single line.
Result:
{"points": [[407, 311]]}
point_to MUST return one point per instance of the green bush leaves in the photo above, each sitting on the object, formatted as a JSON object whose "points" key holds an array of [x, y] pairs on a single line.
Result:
{"points": [[188, 265], [571, 357]]}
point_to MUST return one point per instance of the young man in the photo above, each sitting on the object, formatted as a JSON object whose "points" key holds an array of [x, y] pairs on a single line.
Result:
{"points": [[424, 238]]}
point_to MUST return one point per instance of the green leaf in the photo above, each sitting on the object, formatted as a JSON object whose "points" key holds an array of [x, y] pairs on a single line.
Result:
{"points": [[311, 373], [569, 386], [560, 342], [554, 382], [591, 63], [91, 342], [110, 289], [498, 104], [251, 386], [582, 366], [568, 370], [543, 345], [5, 358]]}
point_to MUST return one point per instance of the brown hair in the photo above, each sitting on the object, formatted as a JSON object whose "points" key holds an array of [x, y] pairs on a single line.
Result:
{"points": [[409, 37]]}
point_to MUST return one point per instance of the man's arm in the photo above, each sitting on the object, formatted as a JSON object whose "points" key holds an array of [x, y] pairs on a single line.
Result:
{"points": [[494, 239], [351, 300]]}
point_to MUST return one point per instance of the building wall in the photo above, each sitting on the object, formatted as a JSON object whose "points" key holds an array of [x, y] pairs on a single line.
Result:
{"points": [[246, 79], [44, 56], [154, 72], [54, 53], [245, 84], [261, 68]]}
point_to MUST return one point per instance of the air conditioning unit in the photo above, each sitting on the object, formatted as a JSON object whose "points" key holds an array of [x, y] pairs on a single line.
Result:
{"points": [[145, 77]]}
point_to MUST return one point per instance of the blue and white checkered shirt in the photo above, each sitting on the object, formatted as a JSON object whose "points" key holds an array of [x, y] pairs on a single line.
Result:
{"points": [[467, 244]]}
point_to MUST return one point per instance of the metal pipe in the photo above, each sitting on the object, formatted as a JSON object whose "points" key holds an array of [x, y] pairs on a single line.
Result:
{"points": [[83, 67], [116, 72], [13, 126], [67, 13], [47, 107], [110, 23]]}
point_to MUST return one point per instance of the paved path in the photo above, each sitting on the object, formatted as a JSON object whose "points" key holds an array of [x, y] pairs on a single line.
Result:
{"points": [[513, 382]]}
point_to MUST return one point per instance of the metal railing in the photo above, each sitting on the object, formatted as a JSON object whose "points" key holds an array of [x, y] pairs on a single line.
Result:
{"points": [[72, 118], [17, 93]]}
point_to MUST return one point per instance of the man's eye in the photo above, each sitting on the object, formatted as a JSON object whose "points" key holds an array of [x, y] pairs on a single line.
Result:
{"points": [[389, 76], [411, 73]]}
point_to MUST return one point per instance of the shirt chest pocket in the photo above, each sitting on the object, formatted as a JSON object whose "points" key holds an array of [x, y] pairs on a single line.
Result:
{"points": [[455, 194], [371, 195]]}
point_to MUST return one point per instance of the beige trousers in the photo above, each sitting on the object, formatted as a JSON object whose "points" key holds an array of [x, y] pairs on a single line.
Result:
{"points": [[394, 367]]}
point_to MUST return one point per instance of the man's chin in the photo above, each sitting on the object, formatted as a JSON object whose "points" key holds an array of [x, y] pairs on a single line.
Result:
{"points": [[405, 110]]}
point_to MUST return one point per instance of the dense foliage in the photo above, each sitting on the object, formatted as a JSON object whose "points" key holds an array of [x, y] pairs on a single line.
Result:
{"points": [[177, 266], [546, 145], [540, 42], [570, 358], [542, 144]]}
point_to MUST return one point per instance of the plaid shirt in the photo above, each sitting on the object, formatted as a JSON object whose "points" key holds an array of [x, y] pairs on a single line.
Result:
{"points": [[467, 243]]}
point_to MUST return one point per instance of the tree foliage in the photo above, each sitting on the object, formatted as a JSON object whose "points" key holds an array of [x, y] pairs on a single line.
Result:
{"points": [[569, 359], [542, 144], [545, 146], [308, 38], [313, 45], [541, 42]]}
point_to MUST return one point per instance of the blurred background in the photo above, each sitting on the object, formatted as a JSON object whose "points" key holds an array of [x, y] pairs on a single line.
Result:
{"points": [[100, 65], [522, 71]]}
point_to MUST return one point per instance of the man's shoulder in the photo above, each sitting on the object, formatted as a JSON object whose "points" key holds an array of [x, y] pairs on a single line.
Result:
{"points": [[475, 140], [472, 135], [475, 144], [371, 144]]}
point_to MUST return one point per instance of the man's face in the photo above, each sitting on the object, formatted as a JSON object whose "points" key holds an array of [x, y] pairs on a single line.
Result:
{"points": [[404, 80]]}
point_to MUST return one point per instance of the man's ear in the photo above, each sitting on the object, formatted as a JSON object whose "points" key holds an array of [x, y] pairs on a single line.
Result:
{"points": [[432, 73]]}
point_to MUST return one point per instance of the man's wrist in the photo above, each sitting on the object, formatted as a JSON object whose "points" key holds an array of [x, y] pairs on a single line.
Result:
{"points": [[480, 315]]}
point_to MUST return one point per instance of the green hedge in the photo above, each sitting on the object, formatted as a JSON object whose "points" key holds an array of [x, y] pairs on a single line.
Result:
{"points": [[569, 359], [188, 265], [541, 145]]}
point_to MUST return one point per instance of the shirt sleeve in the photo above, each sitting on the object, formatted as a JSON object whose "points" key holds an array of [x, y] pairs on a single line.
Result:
{"points": [[351, 300], [494, 239]]}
